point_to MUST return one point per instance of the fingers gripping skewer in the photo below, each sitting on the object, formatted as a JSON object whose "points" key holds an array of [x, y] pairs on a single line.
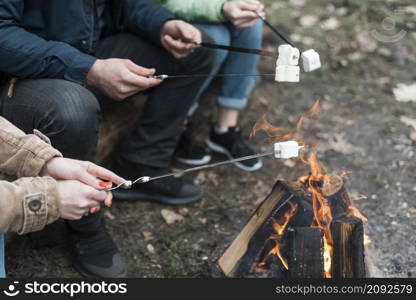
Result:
{"points": [[283, 150]]}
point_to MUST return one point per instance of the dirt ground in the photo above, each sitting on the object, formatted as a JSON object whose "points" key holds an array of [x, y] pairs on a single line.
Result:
{"points": [[363, 129]]}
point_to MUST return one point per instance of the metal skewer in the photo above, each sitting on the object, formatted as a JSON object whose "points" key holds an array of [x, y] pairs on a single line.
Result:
{"points": [[274, 29], [128, 184], [146, 179], [165, 76]]}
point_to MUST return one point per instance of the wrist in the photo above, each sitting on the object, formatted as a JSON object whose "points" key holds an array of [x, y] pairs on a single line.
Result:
{"points": [[91, 76], [46, 170], [224, 8]]}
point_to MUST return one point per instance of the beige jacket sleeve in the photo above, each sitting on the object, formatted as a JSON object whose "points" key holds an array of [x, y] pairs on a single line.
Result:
{"points": [[27, 204]]}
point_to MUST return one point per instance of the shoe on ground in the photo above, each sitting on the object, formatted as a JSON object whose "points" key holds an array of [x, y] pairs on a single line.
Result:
{"points": [[233, 145], [95, 255], [170, 190], [189, 151]]}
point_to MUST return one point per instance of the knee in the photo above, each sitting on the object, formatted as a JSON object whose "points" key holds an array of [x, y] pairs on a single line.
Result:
{"points": [[75, 111], [252, 36]]}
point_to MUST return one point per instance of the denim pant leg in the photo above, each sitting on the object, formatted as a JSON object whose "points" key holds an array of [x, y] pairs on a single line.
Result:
{"points": [[2, 257], [221, 35], [234, 90]]}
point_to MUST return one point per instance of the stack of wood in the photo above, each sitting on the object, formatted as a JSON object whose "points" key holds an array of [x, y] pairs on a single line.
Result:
{"points": [[301, 246]]}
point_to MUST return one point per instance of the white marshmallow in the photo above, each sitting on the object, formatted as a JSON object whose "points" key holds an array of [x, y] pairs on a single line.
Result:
{"points": [[287, 74], [288, 56], [286, 150], [311, 60]]}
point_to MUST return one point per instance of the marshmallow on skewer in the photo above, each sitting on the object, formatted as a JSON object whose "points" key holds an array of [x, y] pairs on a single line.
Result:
{"points": [[287, 150], [287, 69], [288, 56], [311, 60], [287, 74]]}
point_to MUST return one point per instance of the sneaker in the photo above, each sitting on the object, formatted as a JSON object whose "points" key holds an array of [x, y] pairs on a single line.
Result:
{"points": [[95, 254], [170, 190], [189, 151], [233, 145]]}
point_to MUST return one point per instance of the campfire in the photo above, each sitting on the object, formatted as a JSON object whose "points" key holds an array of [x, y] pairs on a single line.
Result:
{"points": [[308, 228]]}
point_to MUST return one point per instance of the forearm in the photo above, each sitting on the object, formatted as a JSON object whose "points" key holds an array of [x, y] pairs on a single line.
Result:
{"points": [[23, 155], [28, 204], [145, 18], [26, 55]]}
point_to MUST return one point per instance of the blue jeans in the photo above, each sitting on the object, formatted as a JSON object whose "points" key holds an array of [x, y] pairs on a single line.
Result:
{"points": [[234, 90], [2, 257]]}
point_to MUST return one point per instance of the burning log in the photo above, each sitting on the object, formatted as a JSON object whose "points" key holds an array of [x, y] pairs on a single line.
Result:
{"points": [[252, 246], [348, 251], [306, 249], [293, 234]]}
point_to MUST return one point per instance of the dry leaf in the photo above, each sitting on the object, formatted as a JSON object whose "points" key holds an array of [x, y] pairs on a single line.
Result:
{"points": [[170, 216], [367, 42], [405, 93], [109, 215], [308, 20], [203, 220], [298, 3], [339, 143], [330, 24], [147, 236]]}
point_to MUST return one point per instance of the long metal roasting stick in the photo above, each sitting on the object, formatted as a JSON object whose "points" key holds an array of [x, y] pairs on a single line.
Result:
{"points": [[164, 76], [146, 179], [237, 49], [274, 29]]}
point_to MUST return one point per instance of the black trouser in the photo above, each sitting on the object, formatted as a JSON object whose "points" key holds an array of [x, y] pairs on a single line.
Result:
{"points": [[69, 113]]}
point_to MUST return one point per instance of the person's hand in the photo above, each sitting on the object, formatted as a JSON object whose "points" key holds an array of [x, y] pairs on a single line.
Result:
{"points": [[120, 78], [77, 199], [242, 13], [83, 171], [176, 35]]}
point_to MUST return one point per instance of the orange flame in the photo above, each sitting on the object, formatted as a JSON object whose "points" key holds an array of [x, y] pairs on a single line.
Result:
{"points": [[314, 182], [278, 236], [280, 134], [321, 210]]}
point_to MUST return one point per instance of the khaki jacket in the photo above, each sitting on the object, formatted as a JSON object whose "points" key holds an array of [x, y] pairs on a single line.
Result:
{"points": [[27, 202]]}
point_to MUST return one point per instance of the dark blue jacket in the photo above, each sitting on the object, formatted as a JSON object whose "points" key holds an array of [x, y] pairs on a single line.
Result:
{"points": [[57, 38]]}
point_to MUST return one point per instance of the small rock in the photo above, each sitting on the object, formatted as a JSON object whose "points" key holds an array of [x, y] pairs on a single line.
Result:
{"points": [[413, 135], [150, 248], [342, 11], [383, 80], [204, 257], [408, 121], [184, 211], [170, 216], [289, 163], [405, 93], [384, 51], [203, 220]]}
